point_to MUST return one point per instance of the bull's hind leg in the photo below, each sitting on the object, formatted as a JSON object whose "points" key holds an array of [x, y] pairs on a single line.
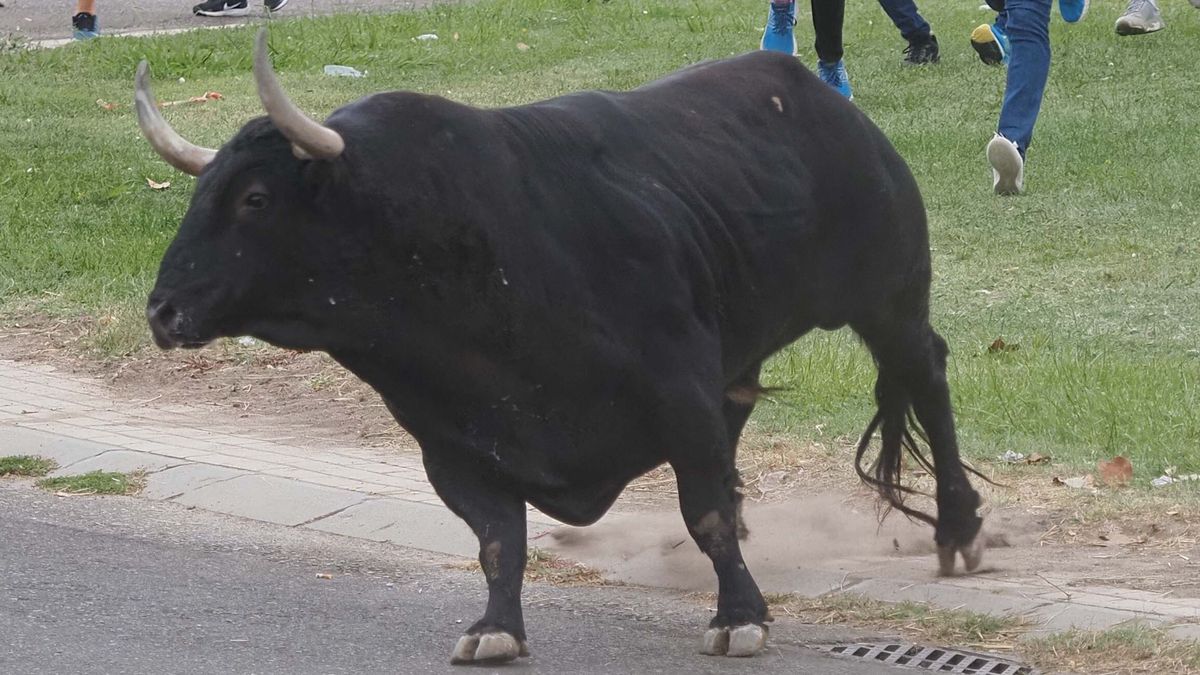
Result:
{"points": [[912, 374], [497, 517], [740, 398], [708, 498]]}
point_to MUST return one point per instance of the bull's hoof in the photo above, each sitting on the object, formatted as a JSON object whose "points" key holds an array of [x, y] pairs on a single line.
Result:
{"points": [[488, 648], [744, 640], [972, 555]]}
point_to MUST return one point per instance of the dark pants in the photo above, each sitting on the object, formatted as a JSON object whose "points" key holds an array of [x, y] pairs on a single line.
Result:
{"points": [[827, 18], [1027, 23], [913, 27]]}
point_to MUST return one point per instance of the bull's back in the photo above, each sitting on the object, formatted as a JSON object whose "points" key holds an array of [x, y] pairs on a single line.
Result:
{"points": [[748, 175]]}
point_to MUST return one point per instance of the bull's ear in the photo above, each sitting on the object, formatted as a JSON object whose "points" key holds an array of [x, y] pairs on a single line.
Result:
{"points": [[320, 179]]}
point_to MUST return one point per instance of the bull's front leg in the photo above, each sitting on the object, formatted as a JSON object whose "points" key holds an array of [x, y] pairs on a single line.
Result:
{"points": [[496, 514], [709, 505]]}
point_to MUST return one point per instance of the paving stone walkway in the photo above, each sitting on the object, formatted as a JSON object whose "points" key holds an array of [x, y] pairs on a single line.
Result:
{"points": [[302, 480]]}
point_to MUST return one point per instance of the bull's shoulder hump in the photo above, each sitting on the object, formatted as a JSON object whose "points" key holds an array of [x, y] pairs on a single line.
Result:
{"points": [[741, 70]]}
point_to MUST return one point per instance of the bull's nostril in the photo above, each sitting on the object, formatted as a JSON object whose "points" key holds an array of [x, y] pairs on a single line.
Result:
{"points": [[162, 315], [164, 323]]}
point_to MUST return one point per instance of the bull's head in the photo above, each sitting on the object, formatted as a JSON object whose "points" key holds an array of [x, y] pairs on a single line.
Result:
{"points": [[239, 265]]}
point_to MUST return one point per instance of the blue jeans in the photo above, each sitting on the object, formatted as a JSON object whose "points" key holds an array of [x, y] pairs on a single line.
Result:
{"points": [[904, 14], [1027, 24]]}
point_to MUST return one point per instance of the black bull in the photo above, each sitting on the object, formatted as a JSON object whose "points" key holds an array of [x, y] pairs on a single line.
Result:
{"points": [[557, 297]]}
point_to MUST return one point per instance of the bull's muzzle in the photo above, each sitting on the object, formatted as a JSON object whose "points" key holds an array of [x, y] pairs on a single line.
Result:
{"points": [[169, 327]]}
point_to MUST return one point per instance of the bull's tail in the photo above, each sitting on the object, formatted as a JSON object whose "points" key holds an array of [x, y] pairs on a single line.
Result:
{"points": [[897, 426], [884, 474]]}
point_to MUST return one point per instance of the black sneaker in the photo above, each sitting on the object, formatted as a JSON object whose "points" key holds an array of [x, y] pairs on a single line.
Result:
{"points": [[922, 51], [275, 5], [85, 26], [221, 8]]}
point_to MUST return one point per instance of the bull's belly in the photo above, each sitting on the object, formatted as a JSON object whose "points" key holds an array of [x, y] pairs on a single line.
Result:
{"points": [[583, 502]]}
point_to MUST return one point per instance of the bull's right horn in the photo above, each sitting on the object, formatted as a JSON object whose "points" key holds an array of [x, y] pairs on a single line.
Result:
{"points": [[310, 139], [175, 149]]}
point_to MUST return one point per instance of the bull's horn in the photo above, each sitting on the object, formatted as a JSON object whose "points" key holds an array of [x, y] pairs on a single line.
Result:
{"points": [[179, 153], [310, 139]]}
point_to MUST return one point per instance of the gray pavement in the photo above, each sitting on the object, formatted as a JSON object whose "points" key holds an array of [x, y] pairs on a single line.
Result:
{"points": [[299, 480], [96, 585], [39, 20]]}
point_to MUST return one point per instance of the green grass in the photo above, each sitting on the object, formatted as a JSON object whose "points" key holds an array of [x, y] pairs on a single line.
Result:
{"points": [[1094, 274], [1134, 649], [95, 482], [919, 620], [25, 465]]}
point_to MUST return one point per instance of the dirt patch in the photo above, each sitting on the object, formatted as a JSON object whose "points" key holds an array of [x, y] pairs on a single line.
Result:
{"points": [[229, 382]]}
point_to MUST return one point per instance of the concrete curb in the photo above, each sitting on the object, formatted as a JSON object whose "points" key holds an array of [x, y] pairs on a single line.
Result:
{"points": [[383, 496], [357, 492]]}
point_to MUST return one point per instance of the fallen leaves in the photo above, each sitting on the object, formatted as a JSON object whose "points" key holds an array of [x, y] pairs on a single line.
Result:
{"points": [[203, 98], [1011, 457], [999, 346], [155, 185], [1116, 472]]}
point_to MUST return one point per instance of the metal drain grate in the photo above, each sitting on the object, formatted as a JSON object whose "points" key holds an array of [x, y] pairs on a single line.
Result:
{"points": [[936, 659]]}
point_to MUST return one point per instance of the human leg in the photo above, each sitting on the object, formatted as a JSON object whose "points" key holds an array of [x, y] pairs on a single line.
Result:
{"points": [[1028, 28], [828, 17], [84, 23]]}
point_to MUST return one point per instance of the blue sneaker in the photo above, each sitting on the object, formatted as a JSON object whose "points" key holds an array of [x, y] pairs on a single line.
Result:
{"points": [[1072, 10], [778, 36], [835, 75], [86, 26], [991, 44]]}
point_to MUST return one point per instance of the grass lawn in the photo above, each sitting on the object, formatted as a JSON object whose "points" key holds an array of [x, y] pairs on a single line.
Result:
{"points": [[1092, 278]]}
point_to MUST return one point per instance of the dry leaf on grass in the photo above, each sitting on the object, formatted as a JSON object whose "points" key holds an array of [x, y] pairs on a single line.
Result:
{"points": [[999, 346], [105, 104], [204, 98], [1011, 457], [155, 185], [1116, 472], [521, 46]]}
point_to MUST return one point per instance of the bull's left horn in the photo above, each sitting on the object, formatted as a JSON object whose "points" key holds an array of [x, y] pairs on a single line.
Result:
{"points": [[179, 153], [309, 138]]}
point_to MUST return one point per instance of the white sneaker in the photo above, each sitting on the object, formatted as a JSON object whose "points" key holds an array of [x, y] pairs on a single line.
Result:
{"points": [[1008, 169], [1140, 17]]}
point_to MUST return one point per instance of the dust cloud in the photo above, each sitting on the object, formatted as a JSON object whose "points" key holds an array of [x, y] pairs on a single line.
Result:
{"points": [[823, 532]]}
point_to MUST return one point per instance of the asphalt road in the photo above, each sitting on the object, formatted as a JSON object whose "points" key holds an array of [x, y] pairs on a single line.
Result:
{"points": [[108, 585], [48, 19]]}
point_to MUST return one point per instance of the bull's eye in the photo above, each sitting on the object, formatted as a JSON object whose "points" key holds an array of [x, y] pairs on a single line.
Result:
{"points": [[256, 201]]}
